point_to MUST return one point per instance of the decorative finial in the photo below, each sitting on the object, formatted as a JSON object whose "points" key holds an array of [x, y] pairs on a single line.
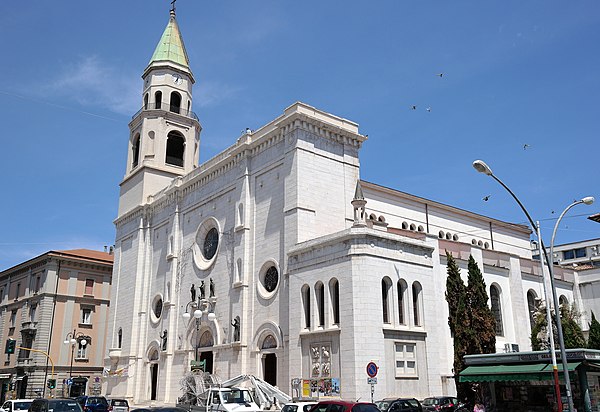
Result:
{"points": [[173, 7]]}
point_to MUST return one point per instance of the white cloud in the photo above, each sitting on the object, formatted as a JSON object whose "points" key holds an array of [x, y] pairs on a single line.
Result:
{"points": [[93, 82]]}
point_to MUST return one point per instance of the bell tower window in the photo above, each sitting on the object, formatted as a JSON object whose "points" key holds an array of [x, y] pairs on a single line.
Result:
{"points": [[175, 149], [136, 151], [157, 99], [146, 102], [175, 102]]}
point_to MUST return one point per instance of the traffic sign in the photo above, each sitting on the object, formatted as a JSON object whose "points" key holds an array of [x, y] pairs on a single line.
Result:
{"points": [[372, 381], [372, 369]]}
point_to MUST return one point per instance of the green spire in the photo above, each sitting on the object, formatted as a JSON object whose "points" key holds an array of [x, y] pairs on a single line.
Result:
{"points": [[170, 47]]}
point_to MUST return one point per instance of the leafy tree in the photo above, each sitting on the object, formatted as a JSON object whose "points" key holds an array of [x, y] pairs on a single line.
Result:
{"points": [[572, 333], [594, 338], [483, 324]]}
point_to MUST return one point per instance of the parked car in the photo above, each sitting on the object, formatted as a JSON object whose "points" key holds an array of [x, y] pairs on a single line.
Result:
{"points": [[16, 405], [93, 403], [399, 405], [344, 406], [298, 406], [55, 404], [440, 403], [118, 405]]}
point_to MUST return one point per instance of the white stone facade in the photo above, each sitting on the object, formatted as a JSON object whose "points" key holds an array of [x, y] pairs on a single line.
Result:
{"points": [[306, 284]]}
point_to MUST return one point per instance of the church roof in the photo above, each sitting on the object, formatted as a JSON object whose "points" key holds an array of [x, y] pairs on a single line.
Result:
{"points": [[170, 47]]}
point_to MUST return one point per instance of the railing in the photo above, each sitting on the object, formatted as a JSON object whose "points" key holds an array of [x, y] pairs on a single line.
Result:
{"points": [[167, 107]]}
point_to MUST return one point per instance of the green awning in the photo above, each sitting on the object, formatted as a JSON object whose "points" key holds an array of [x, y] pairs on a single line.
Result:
{"points": [[517, 372]]}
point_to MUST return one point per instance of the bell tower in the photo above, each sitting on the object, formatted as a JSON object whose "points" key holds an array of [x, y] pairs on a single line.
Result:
{"points": [[164, 135]]}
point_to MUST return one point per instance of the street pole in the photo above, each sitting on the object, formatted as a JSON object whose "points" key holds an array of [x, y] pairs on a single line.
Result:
{"points": [[549, 323], [563, 354], [482, 167]]}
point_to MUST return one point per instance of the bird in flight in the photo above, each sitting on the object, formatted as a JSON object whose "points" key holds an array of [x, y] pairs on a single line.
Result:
{"points": [[440, 74], [486, 198], [526, 146], [414, 107], [429, 109]]}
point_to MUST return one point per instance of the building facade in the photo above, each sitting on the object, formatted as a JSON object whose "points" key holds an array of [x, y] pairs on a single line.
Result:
{"points": [[55, 308], [275, 259]]}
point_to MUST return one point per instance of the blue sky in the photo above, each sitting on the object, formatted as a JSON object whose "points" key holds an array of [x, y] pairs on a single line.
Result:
{"points": [[515, 73]]}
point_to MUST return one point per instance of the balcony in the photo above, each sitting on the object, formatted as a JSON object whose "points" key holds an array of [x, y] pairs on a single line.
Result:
{"points": [[165, 107], [29, 328]]}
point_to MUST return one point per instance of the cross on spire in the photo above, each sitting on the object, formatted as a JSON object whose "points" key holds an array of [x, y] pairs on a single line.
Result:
{"points": [[173, 6]]}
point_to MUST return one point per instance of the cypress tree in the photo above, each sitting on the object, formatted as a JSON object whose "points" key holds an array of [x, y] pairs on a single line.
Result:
{"points": [[458, 320], [483, 324], [594, 338], [455, 292]]}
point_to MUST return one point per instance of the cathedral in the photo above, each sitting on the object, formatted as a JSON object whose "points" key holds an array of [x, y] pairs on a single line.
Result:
{"points": [[275, 259]]}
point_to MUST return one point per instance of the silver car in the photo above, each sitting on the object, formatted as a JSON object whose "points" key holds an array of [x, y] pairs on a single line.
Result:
{"points": [[118, 405]]}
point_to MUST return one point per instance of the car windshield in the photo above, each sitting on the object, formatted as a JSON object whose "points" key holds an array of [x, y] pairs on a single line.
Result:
{"points": [[431, 401], [64, 406], [366, 407], [23, 405], [237, 396], [119, 402], [289, 408]]}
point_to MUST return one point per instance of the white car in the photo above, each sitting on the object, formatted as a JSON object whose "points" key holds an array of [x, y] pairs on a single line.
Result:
{"points": [[16, 405], [298, 406]]}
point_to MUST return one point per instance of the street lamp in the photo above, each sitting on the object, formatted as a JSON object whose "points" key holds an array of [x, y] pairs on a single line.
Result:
{"points": [[72, 338], [482, 167], [197, 308]]}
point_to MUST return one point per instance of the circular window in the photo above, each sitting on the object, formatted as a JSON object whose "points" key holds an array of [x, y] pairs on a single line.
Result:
{"points": [[271, 279], [211, 242], [157, 308], [268, 279], [207, 243]]}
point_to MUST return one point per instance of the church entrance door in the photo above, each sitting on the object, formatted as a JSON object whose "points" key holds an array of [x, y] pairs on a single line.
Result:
{"points": [[270, 368], [153, 381], [208, 357]]}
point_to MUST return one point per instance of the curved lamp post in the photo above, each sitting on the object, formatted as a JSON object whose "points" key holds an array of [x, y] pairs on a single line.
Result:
{"points": [[481, 167], [197, 308], [71, 339]]}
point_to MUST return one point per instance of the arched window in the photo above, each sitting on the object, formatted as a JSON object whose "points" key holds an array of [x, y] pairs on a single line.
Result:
{"points": [[496, 309], [401, 285], [334, 293], [175, 149], [175, 102], [416, 303], [158, 99], [120, 338], [531, 306], [385, 301], [240, 214], [563, 301], [146, 101], [320, 295], [239, 270], [306, 305], [135, 148]]}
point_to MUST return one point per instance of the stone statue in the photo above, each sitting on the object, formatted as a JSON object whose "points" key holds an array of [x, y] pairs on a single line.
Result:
{"points": [[201, 289], [163, 336], [193, 292], [212, 288], [236, 329]]}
